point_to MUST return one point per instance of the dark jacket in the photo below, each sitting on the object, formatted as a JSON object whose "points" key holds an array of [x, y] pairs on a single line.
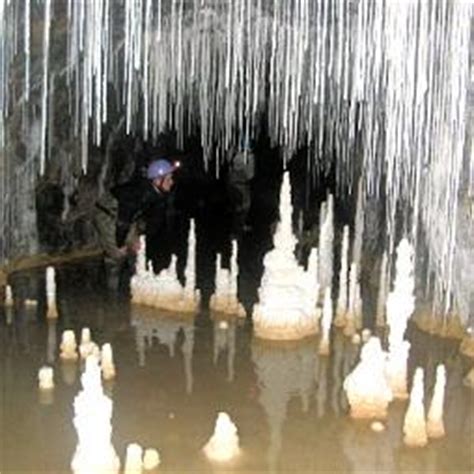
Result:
{"points": [[136, 199]]}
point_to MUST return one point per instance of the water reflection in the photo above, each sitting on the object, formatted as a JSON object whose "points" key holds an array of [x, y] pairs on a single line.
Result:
{"points": [[286, 400], [283, 371], [224, 342], [150, 324]]}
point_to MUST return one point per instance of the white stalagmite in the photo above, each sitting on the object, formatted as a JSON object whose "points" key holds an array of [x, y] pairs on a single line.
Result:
{"points": [[151, 459], [133, 459], [400, 306], [435, 424], [287, 302], [92, 420], [164, 291], [46, 378], [326, 243], [107, 362], [224, 443], [68, 345], [191, 296], [87, 346], [341, 308], [51, 293], [326, 321], [414, 426], [358, 226], [351, 322], [366, 387], [8, 296]]}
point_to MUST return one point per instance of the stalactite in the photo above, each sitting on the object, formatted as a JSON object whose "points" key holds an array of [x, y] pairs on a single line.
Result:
{"points": [[383, 81]]}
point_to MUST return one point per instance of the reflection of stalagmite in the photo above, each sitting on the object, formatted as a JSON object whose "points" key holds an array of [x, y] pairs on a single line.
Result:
{"points": [[326, 321], [165, 329], [187, 350], [367, 389], [51, 293], [435, 425], [224, 339], [92, 420], [337, 370], [341, 308], [414, 426], [322, 391], [51, 346], [400, 305], [287, 302], [224, 443], [283, 369]]}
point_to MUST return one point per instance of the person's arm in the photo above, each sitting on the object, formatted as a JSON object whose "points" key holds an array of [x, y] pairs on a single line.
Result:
{"points": [[127, 210]]}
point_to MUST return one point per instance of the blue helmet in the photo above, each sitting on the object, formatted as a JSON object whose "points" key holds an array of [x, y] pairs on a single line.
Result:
{"points": [[160, 168]]}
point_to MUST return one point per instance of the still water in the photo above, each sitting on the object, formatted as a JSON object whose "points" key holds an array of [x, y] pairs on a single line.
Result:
{"points": [[175, 373]]}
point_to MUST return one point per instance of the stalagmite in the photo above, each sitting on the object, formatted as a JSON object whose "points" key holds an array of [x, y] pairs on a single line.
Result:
{"points": [[341, 308], [366, 387], [435, 424], [164, 291], [339, 88], [51, 293], [133, 460], [326, 243], [224, 443], [287, 304], [400, 306], [224, 300], [414, 426], [68, 345], [9, 304], [107, 362], [191, 296], [8, 296], [45, 378], [326, 321], [350, 326], [87, 347], [151, 459], [92, 420]]}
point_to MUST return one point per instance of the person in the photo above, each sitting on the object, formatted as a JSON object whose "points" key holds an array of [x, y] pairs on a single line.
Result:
{"points": [[122, 210]]}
